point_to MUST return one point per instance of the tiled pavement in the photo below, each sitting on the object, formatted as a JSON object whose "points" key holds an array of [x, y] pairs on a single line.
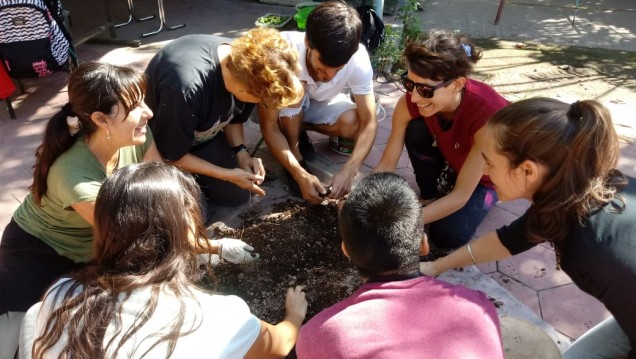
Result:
{"points": [[528, 283]]}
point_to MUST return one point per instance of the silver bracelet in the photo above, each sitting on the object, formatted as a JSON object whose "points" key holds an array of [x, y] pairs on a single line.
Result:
{"points": [[471, 253]]}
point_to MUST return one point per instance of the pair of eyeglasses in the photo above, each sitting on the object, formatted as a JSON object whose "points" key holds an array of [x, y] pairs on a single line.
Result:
{"points": [[423, 90]]}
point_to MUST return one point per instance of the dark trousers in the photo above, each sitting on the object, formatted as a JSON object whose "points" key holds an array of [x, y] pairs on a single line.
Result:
{"points": [[218, 192], [28, 267], [459, 227]]}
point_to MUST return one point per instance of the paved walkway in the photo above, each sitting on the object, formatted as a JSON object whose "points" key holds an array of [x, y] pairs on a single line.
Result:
{"points": [[527, 285]]}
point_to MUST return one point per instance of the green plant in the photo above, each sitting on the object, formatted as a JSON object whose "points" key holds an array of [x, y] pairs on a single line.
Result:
{"points": [[387, 58], [390, 50], [411, 28]]}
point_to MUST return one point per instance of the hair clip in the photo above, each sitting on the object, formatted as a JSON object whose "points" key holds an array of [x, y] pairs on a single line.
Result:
{"points": [[73, 125], [467, 50]]}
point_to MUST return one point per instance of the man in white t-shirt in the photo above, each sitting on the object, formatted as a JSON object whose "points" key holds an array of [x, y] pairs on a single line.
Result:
{"points": [[332, 61]]}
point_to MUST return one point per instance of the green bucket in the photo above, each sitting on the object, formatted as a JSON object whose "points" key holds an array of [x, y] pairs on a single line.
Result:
{"points": [[341, 145], [302, 13]]}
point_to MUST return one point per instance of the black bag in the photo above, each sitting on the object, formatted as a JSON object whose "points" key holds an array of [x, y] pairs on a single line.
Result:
{"points": [[372, 28], [33, 39]]}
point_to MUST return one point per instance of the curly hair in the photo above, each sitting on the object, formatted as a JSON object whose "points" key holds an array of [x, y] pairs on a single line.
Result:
{"points": [[441, 56], [578, 146], [268, 65]]}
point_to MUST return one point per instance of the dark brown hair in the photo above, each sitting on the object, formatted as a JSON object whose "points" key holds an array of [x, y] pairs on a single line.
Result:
{"points": [[578, 146], [381, 225], [441, 56], [148, 229], [92, 87], [334, 29]]}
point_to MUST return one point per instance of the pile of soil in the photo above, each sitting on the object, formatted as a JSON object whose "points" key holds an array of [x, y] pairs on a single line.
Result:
{"points": [[299, 244]]}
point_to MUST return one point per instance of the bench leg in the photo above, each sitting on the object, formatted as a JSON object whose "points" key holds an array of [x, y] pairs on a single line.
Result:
{"points": [[162, 22], [501, 5], [10, 108]]}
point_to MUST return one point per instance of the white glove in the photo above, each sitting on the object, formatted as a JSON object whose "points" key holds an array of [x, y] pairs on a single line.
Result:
{"points": [[236, 251], [205, 257]]}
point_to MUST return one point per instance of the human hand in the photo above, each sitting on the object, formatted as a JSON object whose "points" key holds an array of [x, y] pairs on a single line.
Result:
{"points": [[295, 305], [236, 251], [311, 188], [205, 258], [247, 180], [251, 164], [341, 183]]}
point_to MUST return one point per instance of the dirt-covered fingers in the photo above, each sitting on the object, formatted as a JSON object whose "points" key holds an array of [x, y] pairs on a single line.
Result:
{"points": [[295, 302]]}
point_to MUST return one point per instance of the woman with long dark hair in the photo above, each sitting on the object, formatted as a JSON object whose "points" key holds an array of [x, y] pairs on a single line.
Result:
{"points": [[101, 128], [138, 297], [562, 158]]}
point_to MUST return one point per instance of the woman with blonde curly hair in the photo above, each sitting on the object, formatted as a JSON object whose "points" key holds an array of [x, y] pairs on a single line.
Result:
{"points": [[202, 86]]}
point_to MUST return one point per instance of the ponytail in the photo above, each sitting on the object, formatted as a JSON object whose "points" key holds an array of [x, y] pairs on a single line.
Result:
{"points": [[578, 146], [57, 140], [92, 86]]}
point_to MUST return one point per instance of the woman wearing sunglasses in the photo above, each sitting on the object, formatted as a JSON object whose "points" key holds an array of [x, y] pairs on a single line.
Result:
{"points": [[439, 119]]}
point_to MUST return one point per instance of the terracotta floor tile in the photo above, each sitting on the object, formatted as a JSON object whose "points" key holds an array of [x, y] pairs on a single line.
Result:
{"points": [[525, 294], [495, 218], [517, 207], [382, 136], [488, 267], [570, 310], [534, 268]]}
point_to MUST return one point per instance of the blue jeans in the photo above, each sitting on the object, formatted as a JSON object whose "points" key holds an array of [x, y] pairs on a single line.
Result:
{"points": [[605, 340], [459, 227]]}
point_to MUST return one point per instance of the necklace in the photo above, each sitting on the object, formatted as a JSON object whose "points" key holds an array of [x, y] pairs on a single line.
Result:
{"points": [[105, 164]]}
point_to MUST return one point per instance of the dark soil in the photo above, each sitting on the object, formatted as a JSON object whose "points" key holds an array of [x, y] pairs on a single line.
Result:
{"points": [[299, 244]]}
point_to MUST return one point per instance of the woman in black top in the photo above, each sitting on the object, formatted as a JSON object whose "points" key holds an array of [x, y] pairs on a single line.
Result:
{"points": [[561, 157]]}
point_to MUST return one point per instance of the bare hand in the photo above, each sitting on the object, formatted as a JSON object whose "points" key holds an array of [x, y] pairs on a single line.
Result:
{"points": [[296, 304], [251, 164], [247, 180], [311, 188], [341, 183]]}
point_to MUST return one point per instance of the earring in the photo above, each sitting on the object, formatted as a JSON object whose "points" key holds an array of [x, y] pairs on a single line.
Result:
{"points": [[108, 136]]}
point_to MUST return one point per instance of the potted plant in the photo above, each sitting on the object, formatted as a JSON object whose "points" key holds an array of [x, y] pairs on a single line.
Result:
{"points": [[389, 52]]}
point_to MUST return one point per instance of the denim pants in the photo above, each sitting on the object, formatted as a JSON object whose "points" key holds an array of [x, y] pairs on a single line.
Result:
{"points": [[459, 227], [604, 340]]}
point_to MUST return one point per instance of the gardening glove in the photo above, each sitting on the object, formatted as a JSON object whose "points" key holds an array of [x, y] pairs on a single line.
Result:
{"points": [[236, 251], [204, 257]]}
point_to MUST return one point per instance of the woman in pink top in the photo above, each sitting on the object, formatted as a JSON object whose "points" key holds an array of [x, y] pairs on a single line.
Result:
{"points": [[439, 119]]}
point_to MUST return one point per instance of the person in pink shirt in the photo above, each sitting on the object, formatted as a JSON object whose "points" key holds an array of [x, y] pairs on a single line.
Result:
{"points": [[398, 312]]}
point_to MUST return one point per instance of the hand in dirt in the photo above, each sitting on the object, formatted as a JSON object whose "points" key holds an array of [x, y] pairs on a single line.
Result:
{"points": [[311, 188], [236, 251], [247, 180], [341, 183], [295, 305], [251, 164]]}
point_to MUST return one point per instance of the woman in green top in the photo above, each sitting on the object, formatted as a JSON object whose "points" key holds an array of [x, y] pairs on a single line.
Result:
{"points": [[51, 232]]}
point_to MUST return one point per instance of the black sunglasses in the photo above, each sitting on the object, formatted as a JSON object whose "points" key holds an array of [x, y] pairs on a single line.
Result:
{"points": [[423, 90]]}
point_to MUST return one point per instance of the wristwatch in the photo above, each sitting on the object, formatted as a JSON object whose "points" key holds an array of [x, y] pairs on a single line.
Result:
{"points": [[238, 149]]}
